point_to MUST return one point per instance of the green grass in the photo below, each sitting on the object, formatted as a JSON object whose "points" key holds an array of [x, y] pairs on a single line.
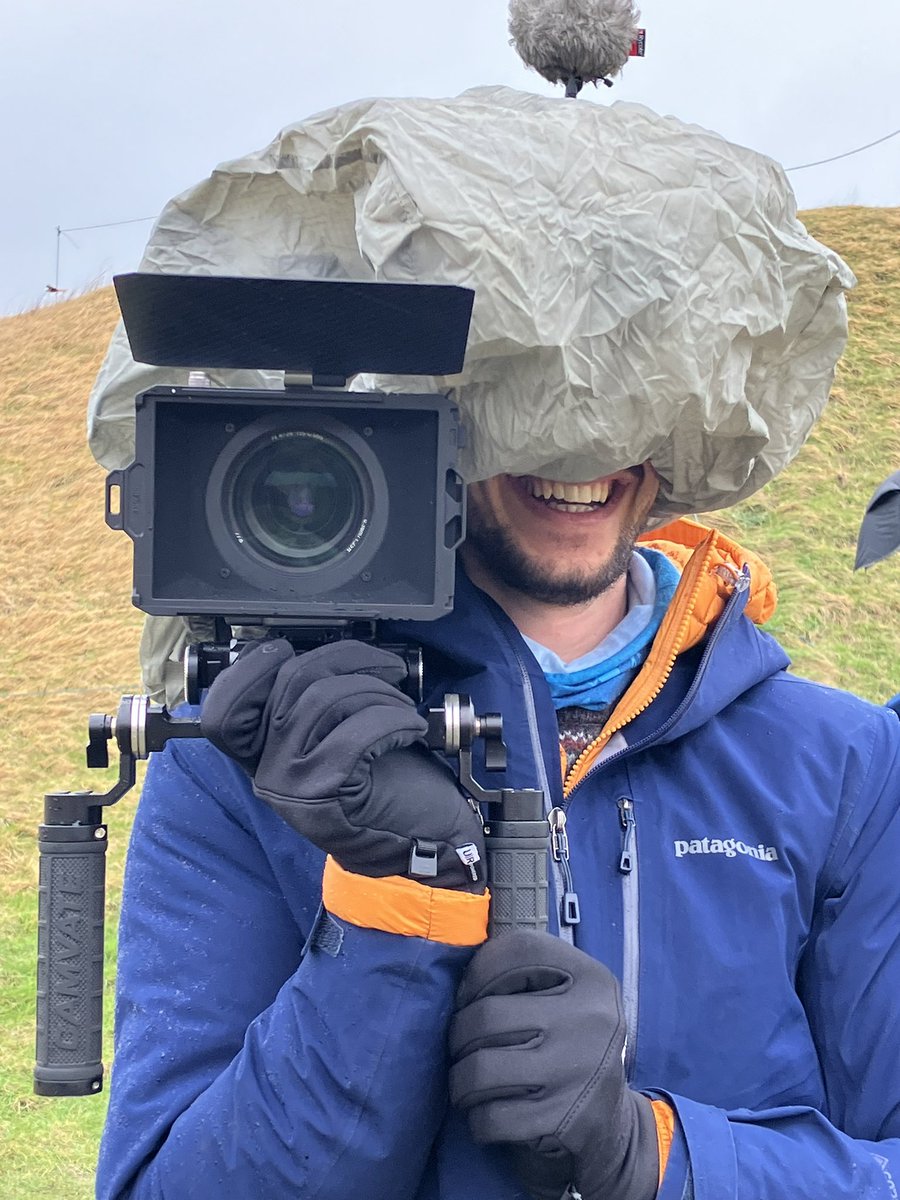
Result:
{"points": [[839, 627], [70, 650]]}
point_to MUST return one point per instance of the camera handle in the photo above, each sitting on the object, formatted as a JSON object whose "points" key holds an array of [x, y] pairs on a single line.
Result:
{"points": [[71, 901], [518, 837]]}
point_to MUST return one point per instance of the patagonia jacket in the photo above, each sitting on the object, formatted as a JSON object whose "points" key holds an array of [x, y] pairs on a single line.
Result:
{"points": [[734, 842]]}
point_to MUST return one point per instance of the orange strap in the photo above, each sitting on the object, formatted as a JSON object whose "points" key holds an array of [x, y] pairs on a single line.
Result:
{"points": [[397, 905], [665, 1132]]}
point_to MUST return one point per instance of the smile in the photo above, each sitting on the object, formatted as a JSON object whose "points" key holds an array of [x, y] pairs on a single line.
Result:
{"points": [[569, 497]]}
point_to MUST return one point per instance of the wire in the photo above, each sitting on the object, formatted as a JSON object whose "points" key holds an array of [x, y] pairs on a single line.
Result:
{"points": [[803, 166], [106, 225], [847, 154], [64, 233]]}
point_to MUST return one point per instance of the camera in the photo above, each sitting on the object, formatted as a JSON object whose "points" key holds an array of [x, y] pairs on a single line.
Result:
{"points": [[310, 502], [256, 506]]}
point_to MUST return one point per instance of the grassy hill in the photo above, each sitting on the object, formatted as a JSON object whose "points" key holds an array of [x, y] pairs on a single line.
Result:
{"points": [[72, 634], [841, 628]]}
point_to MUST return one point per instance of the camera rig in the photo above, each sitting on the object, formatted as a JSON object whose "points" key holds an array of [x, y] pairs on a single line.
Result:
{"points": [[313, 512]]}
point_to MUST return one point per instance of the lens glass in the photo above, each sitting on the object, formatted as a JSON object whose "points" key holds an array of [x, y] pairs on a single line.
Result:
{"points": [[299, 498]]}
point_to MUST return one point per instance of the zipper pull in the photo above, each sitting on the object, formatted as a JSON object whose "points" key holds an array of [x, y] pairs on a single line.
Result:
{"points": [[626, 820], [570, 911], [559, 839]]}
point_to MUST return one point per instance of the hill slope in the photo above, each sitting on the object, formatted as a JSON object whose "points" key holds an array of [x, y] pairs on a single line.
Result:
{"points": [[72, 634], [841, 628], [69, 650]]}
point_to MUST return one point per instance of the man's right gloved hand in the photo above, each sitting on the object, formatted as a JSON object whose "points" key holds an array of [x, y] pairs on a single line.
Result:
{"points": [[537, 1050], [338, 751]]}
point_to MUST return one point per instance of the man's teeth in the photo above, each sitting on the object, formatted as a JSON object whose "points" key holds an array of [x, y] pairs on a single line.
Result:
{"points": [[570, 493]]}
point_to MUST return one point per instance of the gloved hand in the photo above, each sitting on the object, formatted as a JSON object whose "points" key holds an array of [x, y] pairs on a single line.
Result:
{"points": [[536, 1045], [338, 752]]}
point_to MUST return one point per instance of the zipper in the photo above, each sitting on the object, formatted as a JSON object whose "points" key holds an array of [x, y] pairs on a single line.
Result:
{"points": [[628, 859], [617, 723], [570, 911], [740, 587], [627, 821], [631, 946]]}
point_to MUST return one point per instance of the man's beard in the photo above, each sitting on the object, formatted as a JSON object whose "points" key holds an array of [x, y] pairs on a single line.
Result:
{"points": [[495, 546]]}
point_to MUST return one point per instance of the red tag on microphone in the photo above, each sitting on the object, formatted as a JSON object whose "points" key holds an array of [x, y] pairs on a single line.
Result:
{"points": [[639, 44]]}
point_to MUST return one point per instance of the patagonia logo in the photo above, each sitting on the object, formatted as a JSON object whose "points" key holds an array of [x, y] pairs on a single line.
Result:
{"points": [[730, 847]]}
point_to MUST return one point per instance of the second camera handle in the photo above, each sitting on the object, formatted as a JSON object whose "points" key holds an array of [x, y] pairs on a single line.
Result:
{"points": [[517, 831]]}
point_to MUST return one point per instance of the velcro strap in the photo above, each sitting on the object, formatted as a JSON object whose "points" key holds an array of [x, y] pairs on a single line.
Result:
{"points": [[665, 1133], [397, 905]]}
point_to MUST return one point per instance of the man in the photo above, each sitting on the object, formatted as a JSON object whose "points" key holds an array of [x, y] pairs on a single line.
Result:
{"points": [[725, 847]]}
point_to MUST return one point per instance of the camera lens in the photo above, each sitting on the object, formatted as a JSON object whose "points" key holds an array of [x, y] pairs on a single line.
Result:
{"points": [[299, 499]]}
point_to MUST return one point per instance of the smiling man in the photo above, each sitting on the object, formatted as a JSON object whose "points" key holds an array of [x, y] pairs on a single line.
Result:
{"points": [[308, 1005], [558, 553], [694, 1024]]}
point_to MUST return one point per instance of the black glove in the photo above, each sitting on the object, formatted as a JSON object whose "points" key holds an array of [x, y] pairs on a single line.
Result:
{"points": [[536, 1045], [338, 752]]}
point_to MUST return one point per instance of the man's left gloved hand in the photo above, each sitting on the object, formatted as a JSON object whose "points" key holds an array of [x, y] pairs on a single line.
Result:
{"points": [[536, 1045]]}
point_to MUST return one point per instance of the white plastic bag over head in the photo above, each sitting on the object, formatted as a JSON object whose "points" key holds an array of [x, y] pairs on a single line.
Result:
{"points": [[644, 290]]}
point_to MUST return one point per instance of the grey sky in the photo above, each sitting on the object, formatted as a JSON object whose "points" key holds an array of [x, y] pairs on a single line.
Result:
{"points": [[109, 109]]}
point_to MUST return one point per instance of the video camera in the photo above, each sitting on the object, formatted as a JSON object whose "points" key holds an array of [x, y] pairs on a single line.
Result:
{"points": [[312, 502], [309, 510]]}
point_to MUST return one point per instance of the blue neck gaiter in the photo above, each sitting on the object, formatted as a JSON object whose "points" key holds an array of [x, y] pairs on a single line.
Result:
{"points": [[600, 677]]}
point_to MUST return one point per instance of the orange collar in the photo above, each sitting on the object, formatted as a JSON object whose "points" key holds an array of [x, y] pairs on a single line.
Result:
{"points": [[711, 564], [681, 540]]}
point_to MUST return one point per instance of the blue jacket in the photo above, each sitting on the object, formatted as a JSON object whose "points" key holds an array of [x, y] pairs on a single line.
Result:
{"points": [[748, 898]]}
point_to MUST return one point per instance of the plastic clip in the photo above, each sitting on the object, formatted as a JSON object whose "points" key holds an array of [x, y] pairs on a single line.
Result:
{"points": [[423, 859]]}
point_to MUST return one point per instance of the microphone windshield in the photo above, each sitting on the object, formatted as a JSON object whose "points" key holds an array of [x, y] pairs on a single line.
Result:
{"points": [[566, 40]]}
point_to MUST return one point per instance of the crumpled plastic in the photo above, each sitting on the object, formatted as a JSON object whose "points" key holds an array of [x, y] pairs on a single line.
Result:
{"points": [[644, 289]]}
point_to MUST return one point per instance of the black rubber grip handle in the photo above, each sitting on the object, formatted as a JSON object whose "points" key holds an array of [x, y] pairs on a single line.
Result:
{"points": [[70, 960], [517, 875]]}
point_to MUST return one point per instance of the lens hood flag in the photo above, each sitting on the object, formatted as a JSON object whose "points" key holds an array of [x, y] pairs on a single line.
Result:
{"points": [[332, 329]]}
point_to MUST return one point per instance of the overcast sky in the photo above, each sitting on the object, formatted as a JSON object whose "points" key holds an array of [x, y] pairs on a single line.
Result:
{"points": [[111, 108]]}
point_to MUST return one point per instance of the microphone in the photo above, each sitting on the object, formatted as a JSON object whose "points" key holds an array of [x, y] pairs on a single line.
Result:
{"points": [[574, 41]]}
